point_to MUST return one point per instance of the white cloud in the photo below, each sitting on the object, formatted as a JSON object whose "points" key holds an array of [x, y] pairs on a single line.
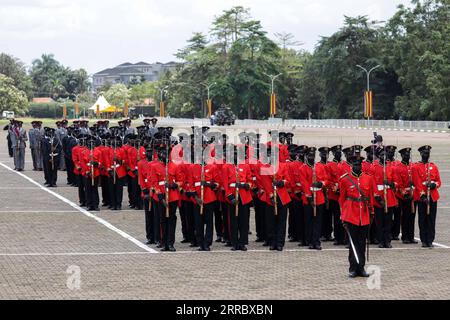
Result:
{"points": [[99, 33]]}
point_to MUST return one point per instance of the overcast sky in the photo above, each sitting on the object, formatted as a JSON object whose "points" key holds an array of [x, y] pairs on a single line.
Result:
{"points": [[97, 34]]}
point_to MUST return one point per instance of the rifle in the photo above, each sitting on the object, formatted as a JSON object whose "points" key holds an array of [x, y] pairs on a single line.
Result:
{"points": [[167, 180], [202, 179], [114, 161], [411, 185], [428, 188], [52, 153], [275, 192], [237, 189], [314, 180], [384, 186], [92, 163]]}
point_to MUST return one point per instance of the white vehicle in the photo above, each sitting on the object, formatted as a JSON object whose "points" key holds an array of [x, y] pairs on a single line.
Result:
{"points": [[8, 114]]}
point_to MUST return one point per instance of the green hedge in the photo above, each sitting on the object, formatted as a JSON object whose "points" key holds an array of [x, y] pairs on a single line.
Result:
{"points": [[53, 110]]}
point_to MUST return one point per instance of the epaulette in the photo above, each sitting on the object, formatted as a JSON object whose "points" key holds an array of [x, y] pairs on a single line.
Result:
{"points": [[344, 175]]}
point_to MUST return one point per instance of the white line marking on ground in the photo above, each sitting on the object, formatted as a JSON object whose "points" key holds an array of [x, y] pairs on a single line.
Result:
{"points": [[85, 212], [38, 254], [437, 244], [41, 211]]}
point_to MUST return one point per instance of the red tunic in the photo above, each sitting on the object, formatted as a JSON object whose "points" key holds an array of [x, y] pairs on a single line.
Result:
{"points": [[86, 157], [404, 179], [333, 180], [294, 171], [229, 181], [420, 176], [353, 210], [307, 180], [266, 176], [378, 177], [209, 195], [158, 179]]}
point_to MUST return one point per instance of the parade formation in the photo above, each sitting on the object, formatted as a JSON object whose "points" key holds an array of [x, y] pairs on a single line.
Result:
{"points": [[361, 196]]}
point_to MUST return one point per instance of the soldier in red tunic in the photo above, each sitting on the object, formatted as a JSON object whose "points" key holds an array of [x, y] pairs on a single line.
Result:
{"points": [[385, 179], [356, 200], [166, 178], [273, 179], [327, 216], [115, 162], [333, 195], [405, 192], [90, 164], [237, 181], [314, 180], [427, 181], [77, 170]]}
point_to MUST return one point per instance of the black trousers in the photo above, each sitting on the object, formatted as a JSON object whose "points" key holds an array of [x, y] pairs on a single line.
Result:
{"points": [[10, 149], [46, 170], [116, 192], [259, 218], [313, 224], [384, 225], [183, 218], [188, 208], [239, 224], [52, 173], [292, 232], [218, 221], [104, 182], [70, 175], [226, 222], [338, 229], [81, 191], [396, 222], [135, 192], [92, 199], [327, 222], [129, 184], [204, 224], [149, 229], [408, 220], [168, 224], [296, 213], [156, 222], [276, 224], [427, 223], [359, 235]]}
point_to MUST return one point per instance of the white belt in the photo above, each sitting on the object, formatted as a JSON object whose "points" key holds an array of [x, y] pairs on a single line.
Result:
{"points": [[298, 184], [161, 183], [425, 182], [254, 179], [315, 189], [381, 187], [232, 185], [198, 184]]}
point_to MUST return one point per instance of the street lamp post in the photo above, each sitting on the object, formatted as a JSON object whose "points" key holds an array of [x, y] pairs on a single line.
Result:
{"points": [[208, 88], [161, 102], [368, 79], [272, 78]]}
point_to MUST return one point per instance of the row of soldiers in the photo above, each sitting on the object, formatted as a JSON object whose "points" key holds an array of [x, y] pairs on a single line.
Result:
{"points": [[215, 187], [307, 192]]}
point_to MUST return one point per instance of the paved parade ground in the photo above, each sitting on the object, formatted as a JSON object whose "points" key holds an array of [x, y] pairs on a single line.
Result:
{"points": [[48, 243]]}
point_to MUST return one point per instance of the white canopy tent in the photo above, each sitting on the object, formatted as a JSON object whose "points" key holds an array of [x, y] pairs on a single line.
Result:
{"points": [[102, 103]]}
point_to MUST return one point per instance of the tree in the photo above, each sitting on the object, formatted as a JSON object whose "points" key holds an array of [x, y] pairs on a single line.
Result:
{"points": [[15, 69], [142, 91], [11, 98], [118, 94], [418, 51]]}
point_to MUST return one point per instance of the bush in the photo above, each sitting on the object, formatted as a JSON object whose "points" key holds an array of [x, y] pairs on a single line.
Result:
{"points": [[54, 110]]}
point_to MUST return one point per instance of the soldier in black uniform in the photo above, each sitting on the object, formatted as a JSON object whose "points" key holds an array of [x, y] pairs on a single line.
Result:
{"points": [[51, 152]]}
